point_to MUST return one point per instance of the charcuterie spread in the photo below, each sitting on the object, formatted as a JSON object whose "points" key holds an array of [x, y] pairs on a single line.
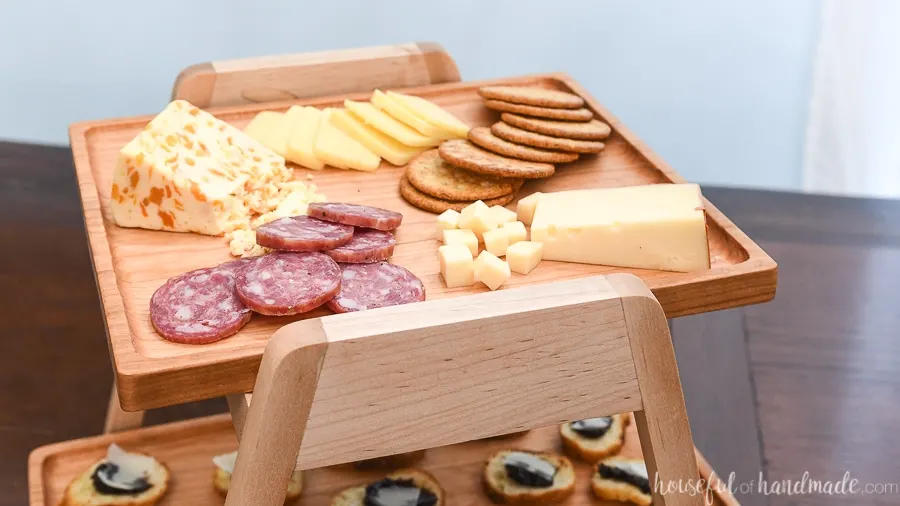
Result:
{"points": [[188, 171]]}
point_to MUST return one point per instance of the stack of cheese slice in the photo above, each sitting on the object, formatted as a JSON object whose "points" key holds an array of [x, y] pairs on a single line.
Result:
{"points": [[393, 127], [188, 171]]}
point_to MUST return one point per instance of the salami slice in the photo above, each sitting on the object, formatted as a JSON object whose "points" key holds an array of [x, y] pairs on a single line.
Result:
{"points": [[288, 283], [370, 286], [234, 267], [368, 245], [356, 215], [198, 307], [302, 233]]}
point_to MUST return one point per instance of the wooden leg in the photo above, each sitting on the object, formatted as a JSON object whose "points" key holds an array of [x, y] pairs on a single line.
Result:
{"points": [[276, 421], [662, 425], [118, 420]]}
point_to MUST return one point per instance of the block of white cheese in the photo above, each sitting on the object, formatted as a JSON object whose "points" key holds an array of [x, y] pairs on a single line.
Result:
{"points": [[457, 265], [490, 270], [659, 227], [188, 171], [448, 220]]}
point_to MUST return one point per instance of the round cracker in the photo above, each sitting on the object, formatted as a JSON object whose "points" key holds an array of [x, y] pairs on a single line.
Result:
{"points": [[540, 97], [541, 112], [466, 155], [431, 175], [482, 136], [593, 130], [436, 205], [519, 136]]}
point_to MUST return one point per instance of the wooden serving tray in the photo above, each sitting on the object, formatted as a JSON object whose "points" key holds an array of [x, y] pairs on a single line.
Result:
{"points": [[187, 449], [132, 263]]}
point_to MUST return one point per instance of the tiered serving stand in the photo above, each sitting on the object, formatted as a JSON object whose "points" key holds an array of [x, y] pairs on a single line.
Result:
{"points": [[566, 342]]}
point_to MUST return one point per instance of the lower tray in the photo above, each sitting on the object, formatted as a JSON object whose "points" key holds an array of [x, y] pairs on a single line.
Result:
{"points": [[188, 447]]}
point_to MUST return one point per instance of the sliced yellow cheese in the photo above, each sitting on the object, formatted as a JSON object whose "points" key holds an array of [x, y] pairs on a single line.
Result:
{"points": [[661, 226], [386, 123], [189, 171], [303, 123], [340, 150], [377, 142], [400, 112], [432, 113], [270, 129]]}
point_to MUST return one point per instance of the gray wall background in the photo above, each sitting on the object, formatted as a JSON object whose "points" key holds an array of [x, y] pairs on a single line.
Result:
{"points": [[719, 88]]}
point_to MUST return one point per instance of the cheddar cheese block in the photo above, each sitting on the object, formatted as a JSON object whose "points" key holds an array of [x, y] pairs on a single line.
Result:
{"points": [[188, 171], [647, 227], [271, 129], [432, 113], [374, 140], [388, 125], [303, 123], [400, 112], [340, 150]]}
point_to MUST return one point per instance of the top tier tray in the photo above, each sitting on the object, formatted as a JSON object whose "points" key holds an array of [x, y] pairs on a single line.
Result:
{"points": [[131, 263]]}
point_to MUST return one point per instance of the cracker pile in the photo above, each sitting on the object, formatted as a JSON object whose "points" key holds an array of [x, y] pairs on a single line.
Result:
{"points": [[539, 128]]}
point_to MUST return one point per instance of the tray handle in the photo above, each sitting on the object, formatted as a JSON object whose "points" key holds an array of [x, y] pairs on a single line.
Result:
{"points": [[305, 75], [579, 348]]}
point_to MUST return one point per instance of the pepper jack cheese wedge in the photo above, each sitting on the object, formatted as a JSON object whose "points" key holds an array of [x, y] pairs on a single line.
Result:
{"points": [[386, 123], [340, 150], [188, 171], [301, 141], [382, 145], [659, 226], [432, 113]]}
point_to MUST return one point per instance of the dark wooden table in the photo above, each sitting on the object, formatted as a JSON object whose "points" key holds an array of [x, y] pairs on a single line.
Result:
{"points": [[807, 383]]}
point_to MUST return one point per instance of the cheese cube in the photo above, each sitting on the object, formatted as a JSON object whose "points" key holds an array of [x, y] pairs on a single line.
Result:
{"points": [[462, 236], [496, 241], [270, 129], [490, 270], [432, 113], [524, 256], [375, 141], [457, 265], [515, 231], [660, 226], [468, 213], [500, 215], [340, 150], [301, 141], [448, 220], [525, 208], [386, 123], [188, 171], [404, 115]]}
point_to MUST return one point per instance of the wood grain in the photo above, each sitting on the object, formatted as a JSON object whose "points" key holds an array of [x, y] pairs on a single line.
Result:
{"points": [[458, 468], [662, 421], [289, 77], [442, 372], [130, 264]]}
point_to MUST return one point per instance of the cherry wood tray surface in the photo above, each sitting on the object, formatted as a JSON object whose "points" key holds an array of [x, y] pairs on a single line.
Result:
{"points": [[187, 449], [131, 264]]}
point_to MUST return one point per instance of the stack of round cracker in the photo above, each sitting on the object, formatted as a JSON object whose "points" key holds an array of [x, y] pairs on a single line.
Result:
{"points": [[538, 122], [539, 128]]}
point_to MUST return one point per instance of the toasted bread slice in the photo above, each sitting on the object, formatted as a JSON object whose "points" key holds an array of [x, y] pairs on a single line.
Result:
{"points": [[616, 490], [502, 489], [355, 496], [595, 449], [222, 482], [81, 491]]}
